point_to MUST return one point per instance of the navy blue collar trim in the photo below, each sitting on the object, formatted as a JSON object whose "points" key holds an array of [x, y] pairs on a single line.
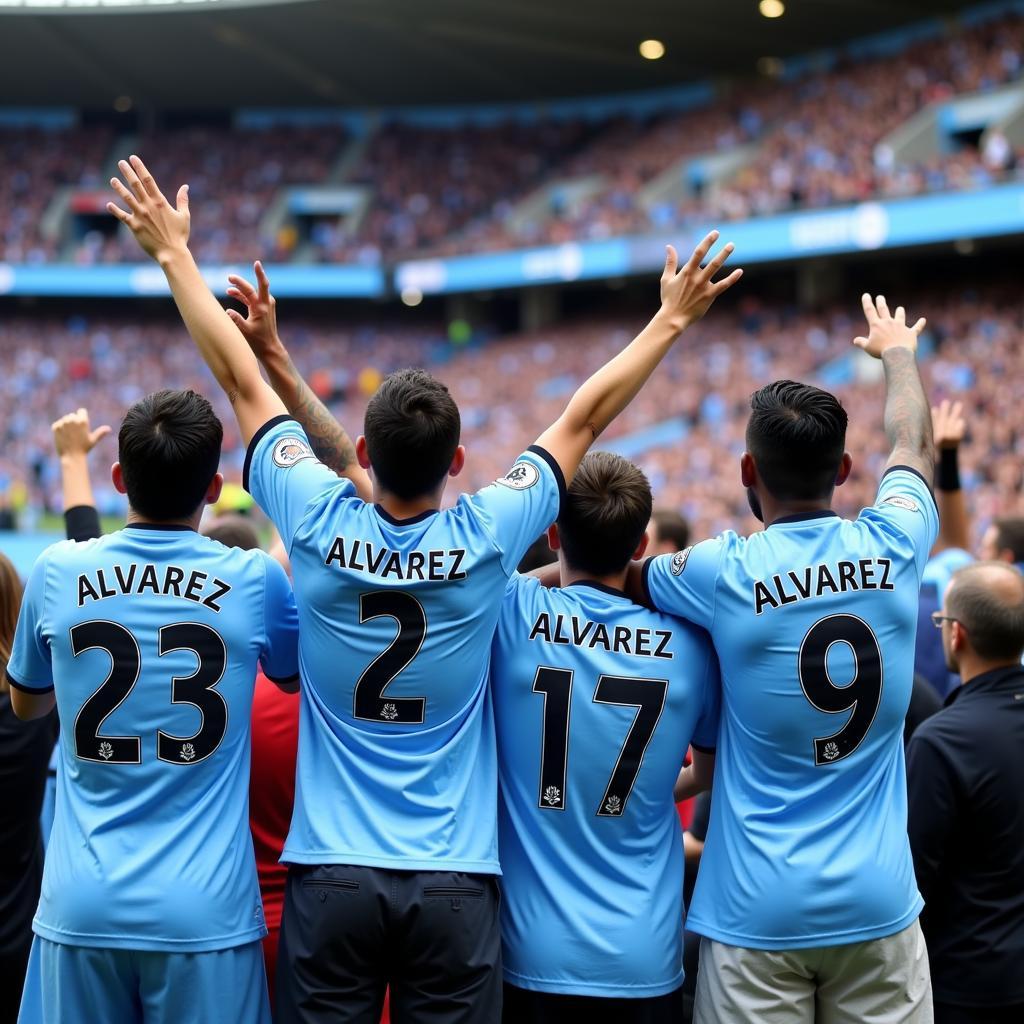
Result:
{"points": [[603, 587], [1010, 677], [159, 526], [389, 518], [806, 517]]}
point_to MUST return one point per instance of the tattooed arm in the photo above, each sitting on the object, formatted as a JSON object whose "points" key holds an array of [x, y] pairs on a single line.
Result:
{"points": [[908, 417], [331, 444]]}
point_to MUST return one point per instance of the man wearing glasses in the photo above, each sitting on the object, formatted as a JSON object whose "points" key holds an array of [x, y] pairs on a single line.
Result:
{"points": [[965, 779]]}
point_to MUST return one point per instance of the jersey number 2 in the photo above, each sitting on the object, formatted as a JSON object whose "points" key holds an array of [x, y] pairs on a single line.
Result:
{"points": [[125, 666]]}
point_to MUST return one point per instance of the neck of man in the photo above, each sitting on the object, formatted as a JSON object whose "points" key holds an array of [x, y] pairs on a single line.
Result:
{"points": [[972, 666], [192, 522], [773, 510], [567, 575], [406, 508]]}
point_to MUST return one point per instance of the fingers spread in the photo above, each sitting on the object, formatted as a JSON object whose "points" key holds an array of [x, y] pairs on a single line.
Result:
{"points": [[701, 251], [919, 326], [131, 178], [118, 213], [262, 280], [145, 177], [242, 285], [727, 282], [715, 265], [869, 308], [883, 306], [901, 315], [119, 187]]}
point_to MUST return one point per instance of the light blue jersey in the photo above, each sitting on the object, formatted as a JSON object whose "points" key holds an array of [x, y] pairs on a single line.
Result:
{"points": [[396, 761], [150, 637], [596, 701], [813, 620]]}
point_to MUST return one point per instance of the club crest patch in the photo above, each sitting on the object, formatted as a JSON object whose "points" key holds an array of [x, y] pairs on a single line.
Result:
{"points": [[679, 561], [290, 450], [521, 476], [901, 502]]}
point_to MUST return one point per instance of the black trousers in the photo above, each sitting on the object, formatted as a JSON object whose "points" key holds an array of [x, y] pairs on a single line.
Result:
{"points": [[947, 1013], [523, 1006], [348, 932]]}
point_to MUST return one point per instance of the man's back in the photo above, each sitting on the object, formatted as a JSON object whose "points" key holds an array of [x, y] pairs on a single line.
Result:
{"points": [[151, 637], [813, 620], [397, 620], [596, 701]]}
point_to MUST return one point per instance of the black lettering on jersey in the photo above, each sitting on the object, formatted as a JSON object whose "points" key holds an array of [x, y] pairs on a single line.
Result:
{"points": [[454, 573], [601, 637], [374, 563], [101, 581], [86, 591], [867, 574], [352, 562], [803, 589], [220, 589], [886, 565], [643, 642], [784, 598], [847, 572], [394, 566], [763, 596], [664, 636], [122, 582], [560, 637], [172, 580], [416, 562], [541, 628], [337, 553], [621, 641], [826, 579], [149, 580], [196, 581], [579, 636]]}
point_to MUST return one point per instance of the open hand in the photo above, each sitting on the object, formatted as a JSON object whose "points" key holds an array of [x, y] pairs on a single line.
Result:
{"points": [[161, 229], [885, 330], [259, 326], [72, 435], [948, 424], [687, 295]]}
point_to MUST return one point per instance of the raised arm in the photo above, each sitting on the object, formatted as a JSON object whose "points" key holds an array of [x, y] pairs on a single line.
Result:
{"points": [[686, 296], [162, 231], [908, 418], [948, 427], [331, 444], [74, 439]]}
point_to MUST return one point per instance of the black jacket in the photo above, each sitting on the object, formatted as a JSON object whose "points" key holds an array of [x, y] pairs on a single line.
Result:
{"points": [[965, 779]]}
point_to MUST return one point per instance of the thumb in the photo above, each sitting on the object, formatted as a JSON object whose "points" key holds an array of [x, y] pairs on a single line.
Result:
{"points": [[671, 260], [236, 317], [98, 434], [182, 201], [861, 342]]}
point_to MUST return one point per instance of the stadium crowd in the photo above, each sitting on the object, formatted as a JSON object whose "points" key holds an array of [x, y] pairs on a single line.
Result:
{"points": [[816, 139], [506, 385]]}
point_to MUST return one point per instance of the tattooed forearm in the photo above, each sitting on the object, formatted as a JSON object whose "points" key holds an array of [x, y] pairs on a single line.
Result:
{"points": [[908, 418], [331, 444]]}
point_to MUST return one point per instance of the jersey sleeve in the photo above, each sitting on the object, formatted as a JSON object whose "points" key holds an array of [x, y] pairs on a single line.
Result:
{"points": [[29, 668], [283, 475], [705, 733], [905, 503], [280, 657], [684, 584], [520, 506]]}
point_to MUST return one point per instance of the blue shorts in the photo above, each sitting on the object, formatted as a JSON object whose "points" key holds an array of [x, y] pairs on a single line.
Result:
{"points": [[87, 985]]}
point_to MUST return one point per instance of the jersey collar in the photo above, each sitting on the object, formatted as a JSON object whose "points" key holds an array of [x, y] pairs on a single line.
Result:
{"points": [[388, 518], [159, 526], [805, 517], [603, 587]]}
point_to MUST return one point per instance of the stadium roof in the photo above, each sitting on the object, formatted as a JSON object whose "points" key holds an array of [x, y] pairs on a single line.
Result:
{"points": [[371, 53]]}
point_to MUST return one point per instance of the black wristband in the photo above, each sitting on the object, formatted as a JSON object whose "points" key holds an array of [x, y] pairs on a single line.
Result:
{"points": [[82, 522], [947, 472]]}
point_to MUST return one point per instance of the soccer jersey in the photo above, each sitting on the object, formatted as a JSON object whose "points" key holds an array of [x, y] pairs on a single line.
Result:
{"points": [[150, 637], [596, 701], [396, 761], [813, 620]]}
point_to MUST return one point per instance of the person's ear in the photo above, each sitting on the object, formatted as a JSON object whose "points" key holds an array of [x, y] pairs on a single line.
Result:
{"points": [[957, 636], [117, 476], [554, 541], [213, 491], [362, 455], [641, 548], [458, 461], [748, 470], [845, 468]]}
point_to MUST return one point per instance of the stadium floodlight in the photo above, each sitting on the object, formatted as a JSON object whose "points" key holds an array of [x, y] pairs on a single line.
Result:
{"points": [[772, 8], [652, 49], [123, 6]]}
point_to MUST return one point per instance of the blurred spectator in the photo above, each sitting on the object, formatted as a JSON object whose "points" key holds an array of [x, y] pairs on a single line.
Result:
{"points": [[669, 532], [965, 780]]}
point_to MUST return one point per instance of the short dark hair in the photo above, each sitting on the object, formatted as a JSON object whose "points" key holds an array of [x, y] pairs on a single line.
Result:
{"points": [[994, 621], [412, 430], [672, 526], [796, 434], [169, 450], [606, 510], [1010, 536], [233, 531]]}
